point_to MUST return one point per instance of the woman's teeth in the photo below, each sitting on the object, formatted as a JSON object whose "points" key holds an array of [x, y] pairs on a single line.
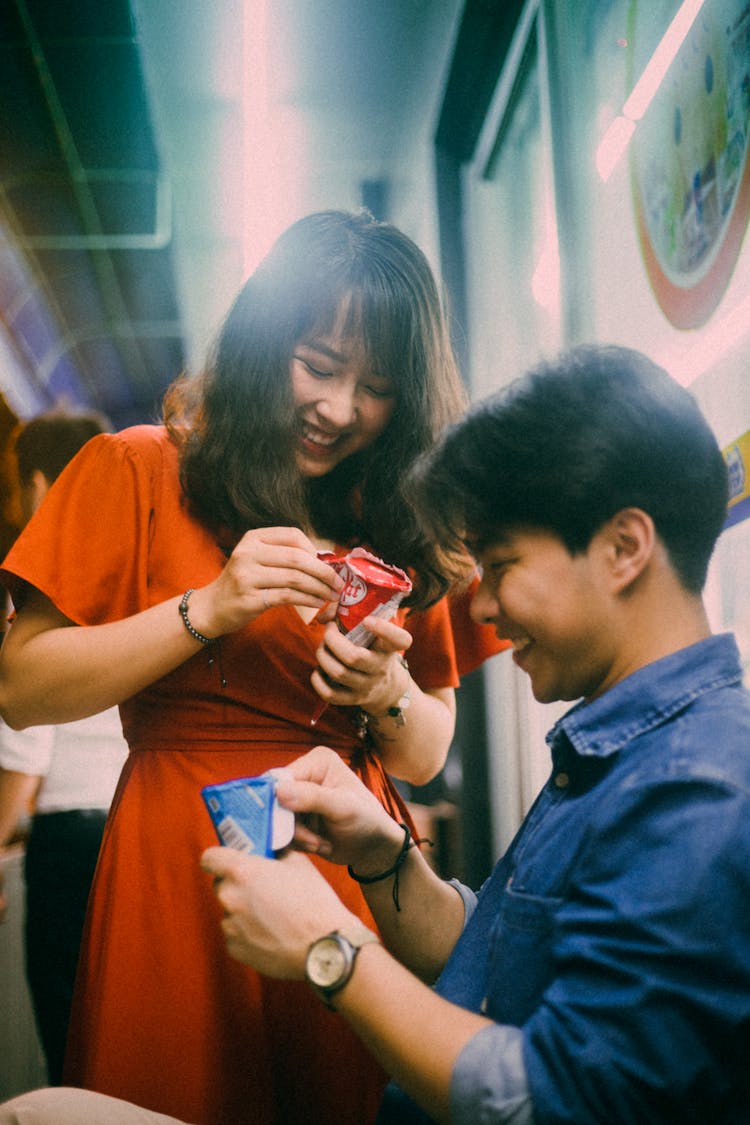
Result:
{"points": [[320, 439]]}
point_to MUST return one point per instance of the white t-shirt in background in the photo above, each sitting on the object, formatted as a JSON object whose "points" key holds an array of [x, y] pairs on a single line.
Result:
{"points": [[80, 762]]}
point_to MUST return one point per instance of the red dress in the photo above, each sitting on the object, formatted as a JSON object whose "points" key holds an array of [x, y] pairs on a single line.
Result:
{"points": [[163, 1017]]}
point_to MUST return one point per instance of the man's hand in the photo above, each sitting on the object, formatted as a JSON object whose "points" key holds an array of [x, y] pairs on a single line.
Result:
{"points": [[273, 908], [337, 816]]}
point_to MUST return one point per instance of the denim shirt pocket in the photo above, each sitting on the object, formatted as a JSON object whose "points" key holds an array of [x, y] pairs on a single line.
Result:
{"points": [[520, 963]]}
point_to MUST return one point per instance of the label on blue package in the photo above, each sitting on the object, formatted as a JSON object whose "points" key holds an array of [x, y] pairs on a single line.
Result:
{"points": [[247, 816]]}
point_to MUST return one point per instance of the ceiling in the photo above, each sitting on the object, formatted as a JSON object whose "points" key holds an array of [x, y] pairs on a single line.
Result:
{"points": [[141, 174]]}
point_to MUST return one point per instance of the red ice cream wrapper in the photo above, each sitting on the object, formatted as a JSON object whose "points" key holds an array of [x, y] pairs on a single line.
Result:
{"points": [[372, 587]]}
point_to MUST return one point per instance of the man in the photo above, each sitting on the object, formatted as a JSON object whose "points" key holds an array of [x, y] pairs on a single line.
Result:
{"points": [[602, 974]]}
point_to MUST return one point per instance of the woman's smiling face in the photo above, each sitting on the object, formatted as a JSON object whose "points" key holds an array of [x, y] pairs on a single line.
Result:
{"points": [[342, 405]]}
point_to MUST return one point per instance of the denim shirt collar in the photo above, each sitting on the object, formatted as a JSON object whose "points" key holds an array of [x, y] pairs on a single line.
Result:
{"points": [[647, 698]]}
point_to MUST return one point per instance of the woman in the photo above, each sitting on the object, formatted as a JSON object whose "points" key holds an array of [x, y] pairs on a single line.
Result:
{"points": [[174, 570]]}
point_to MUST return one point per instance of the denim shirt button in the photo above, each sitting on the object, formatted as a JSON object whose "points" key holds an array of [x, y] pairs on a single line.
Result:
{"points": [[562, 780], [483, 1006]]}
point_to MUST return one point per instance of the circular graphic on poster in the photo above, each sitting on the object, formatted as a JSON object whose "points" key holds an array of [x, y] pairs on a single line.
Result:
{"points": [[689, 155]]}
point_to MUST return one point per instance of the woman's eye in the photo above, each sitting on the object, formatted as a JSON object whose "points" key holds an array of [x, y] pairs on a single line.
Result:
{"points": [[382, 388], [316, 371]]}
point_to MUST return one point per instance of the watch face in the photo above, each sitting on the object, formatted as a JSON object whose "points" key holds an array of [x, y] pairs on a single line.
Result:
{"points": [[326, 963]]}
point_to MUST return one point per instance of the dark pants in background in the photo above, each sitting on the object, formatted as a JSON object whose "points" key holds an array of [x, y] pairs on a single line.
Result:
{"points": [[61, 855]]}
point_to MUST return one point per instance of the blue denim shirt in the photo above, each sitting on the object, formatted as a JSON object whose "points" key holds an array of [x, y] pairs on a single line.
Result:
{"points": [[611, 944]]}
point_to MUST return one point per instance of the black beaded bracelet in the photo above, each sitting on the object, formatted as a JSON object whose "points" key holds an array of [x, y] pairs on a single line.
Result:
{"points": [[186, 620], [394, 870]]}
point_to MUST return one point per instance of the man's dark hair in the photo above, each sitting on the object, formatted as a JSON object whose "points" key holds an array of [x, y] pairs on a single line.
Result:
{"points": [[571, 443], [49, 441]]}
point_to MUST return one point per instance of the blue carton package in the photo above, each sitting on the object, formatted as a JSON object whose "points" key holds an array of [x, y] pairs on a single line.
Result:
{"points": [[247, 815]]}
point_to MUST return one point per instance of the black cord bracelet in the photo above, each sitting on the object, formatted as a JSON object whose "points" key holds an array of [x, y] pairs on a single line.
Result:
{"points": [[186, 621], [394, 870]]}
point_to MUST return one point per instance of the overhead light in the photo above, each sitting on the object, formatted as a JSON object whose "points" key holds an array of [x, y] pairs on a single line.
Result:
{"points": [[612, 146], [545, 281], [618, 135], [256, 128], [276, 148]]}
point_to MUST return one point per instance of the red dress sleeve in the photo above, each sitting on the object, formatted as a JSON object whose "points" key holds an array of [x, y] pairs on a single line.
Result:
{"points": [[86, 547], [447, 643], [473, 643]]}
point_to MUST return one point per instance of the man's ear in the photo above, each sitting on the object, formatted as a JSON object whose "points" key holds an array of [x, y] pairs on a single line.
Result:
{"points": [[631, 538]]}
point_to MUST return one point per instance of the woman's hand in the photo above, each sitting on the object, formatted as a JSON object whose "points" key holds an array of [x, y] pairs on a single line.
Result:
{"points": [[372, 678], [270, 566]]}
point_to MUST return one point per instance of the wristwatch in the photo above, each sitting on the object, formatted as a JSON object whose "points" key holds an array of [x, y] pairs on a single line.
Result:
{"points": [[330, 960]]}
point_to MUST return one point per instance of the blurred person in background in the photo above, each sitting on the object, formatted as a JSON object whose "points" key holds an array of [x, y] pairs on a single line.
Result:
{"points": [[10, 516], [65, 775]]}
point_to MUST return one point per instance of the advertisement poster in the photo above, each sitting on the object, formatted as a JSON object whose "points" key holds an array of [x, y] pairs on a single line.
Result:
{"points": [[689, 156]]}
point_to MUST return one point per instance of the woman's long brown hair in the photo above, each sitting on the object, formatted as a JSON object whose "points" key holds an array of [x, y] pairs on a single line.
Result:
{"points": [[236, 425]]}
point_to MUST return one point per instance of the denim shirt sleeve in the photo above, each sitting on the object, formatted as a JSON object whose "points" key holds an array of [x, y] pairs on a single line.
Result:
{"points": [[489, 1080]]}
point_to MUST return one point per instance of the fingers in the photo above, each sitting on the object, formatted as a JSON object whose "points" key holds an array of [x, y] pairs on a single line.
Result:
{"points": [[310, 797], [351, 675], [327, 613], [281, 536], [389, 638], [336, 818], [320, 765], [224, 863], [283, 563], [269, 567], [308, 840], [321, 785]]}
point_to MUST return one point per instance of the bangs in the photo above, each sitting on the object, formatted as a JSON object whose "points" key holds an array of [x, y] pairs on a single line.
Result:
{"points": [[372, 315], [385, 323], [318, 306]]}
